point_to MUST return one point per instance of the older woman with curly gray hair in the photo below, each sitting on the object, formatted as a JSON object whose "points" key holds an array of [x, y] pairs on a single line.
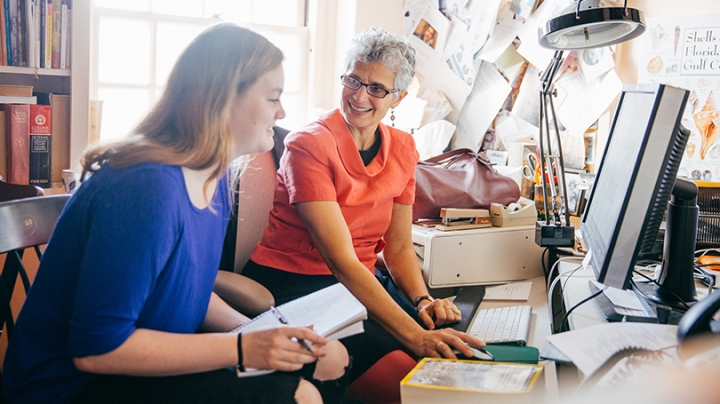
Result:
{"points": [[345, 190]]}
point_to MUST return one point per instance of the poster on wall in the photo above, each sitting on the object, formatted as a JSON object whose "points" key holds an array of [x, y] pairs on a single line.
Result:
{"points": [[685, 52]]}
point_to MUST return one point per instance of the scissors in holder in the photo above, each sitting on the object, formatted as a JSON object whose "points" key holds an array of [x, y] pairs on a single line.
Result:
{"points": [[531, 170]]}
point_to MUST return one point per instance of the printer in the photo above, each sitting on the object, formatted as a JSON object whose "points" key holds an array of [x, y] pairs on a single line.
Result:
{"points": [[477, 256]]}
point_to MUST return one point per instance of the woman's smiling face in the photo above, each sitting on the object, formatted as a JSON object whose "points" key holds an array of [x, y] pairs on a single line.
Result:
{"points": [[362, 111]]}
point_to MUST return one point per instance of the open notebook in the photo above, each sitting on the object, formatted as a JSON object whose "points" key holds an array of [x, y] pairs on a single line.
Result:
{"points": [[333, 311]]}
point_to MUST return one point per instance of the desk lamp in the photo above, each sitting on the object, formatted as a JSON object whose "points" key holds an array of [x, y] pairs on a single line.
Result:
{"points": [[585, 24]]}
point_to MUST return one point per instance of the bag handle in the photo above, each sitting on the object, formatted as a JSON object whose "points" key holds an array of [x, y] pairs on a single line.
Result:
{"points": [[446, 159]]}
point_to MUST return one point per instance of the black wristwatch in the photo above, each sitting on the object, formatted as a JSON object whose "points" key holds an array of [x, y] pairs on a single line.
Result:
{"points": [[421, 298]]}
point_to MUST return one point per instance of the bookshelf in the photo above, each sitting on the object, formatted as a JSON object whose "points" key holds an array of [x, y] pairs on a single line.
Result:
{"points": [[75, 82]]}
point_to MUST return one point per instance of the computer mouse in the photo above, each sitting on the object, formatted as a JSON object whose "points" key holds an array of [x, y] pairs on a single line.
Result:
{"points": [[478, 354]]}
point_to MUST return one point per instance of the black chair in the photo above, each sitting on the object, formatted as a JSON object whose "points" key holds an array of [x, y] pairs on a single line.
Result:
{"points": [[10, 192], [24, 224]]}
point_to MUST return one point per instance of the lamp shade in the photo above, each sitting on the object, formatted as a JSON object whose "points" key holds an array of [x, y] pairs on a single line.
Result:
{"points": [[591, 28]]}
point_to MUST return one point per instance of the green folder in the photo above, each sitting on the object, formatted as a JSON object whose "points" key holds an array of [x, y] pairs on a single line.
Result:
{"points": [[514, 353]]}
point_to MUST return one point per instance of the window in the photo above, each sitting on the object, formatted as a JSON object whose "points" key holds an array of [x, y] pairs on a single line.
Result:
{"points": [[136, 42]]}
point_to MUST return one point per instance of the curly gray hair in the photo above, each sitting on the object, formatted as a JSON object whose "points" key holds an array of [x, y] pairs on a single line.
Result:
{"points": [[375, 45]]}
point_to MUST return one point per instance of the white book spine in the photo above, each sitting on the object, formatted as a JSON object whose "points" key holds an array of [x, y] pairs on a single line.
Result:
{"points": [[63, 36], [30, 31]]}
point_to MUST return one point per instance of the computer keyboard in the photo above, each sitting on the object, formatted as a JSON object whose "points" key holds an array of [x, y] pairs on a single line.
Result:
{"points": [[502, 325]]}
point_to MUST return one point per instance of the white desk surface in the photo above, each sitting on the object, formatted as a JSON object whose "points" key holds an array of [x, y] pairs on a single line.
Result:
{"points": [[576, 288], [540, 325], [539, 330]]}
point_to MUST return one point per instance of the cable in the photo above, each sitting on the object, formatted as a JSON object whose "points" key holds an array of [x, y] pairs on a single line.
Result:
{"points": [[567, 278], [555, 265], [664, 288], [580, 303], [705, 277], [704, 251], [542, 261], [552, 313]]}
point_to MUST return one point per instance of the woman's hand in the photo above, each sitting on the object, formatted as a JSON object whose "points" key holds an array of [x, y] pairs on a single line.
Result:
{"points": [[279, 349], [438, 312], [440, 343]]}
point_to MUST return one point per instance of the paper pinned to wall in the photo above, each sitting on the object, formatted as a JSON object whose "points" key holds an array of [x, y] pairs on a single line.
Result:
{"points": [[486, 99], [412, 10], [428, 38], [503, 35], [684, 51], [530, 48], [595, 62], [453, 87], [581, 104], [432, 139]]}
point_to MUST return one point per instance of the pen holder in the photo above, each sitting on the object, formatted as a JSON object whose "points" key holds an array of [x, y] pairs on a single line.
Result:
{"points": [[539, 205]]}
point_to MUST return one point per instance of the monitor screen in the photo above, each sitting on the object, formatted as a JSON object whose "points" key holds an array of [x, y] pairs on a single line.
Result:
{"points": [[633, 184]]}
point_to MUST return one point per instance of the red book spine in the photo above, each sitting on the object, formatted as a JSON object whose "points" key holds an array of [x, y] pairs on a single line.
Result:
{"points": [[40, 145], [18, 147]]}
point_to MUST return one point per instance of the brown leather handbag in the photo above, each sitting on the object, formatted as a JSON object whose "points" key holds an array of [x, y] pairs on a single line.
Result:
{"points": [[459, 178]]}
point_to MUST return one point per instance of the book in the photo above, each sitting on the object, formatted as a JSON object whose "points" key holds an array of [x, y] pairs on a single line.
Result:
{"points": [[48, 33], [63, 35], [3, 147], [8, 42], [40, 145], [56, 26], [333, 311], [60, 153], [30, 32], [11, 99], [12, 10], [21, 40], [68, 37], [440, 380], [3, 34], [42, 32], [17, 126], [16, 90]]}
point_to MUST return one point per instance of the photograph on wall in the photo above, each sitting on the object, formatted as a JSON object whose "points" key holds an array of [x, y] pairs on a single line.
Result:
{"points": [[426, 33]]}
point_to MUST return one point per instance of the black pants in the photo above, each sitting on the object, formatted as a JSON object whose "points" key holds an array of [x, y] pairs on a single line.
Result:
{"points": [[220, 386], [366, 348]]}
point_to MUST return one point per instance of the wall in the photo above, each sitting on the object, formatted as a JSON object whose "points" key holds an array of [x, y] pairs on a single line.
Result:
{"points": [[352, 17]]}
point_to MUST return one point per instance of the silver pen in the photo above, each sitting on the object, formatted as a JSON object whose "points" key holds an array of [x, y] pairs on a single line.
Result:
{"points": [[284, 321]]}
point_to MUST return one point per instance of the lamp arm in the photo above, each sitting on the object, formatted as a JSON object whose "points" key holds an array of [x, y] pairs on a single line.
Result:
{"points": [[562, 185], [546, 161]]}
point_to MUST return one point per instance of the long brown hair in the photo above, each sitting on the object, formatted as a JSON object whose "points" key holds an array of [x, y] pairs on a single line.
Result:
{"points": [[188, 125]]}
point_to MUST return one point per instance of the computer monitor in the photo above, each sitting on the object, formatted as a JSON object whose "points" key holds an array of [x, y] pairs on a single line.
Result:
{"points": [[635, 180]]}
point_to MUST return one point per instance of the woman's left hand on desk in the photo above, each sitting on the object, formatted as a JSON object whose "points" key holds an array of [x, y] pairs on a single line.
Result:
{"points": [[438, 312]]}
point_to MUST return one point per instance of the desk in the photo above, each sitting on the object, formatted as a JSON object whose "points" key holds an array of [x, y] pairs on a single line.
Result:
{"points": [[539, 329], [546, 388], [575, 289]]}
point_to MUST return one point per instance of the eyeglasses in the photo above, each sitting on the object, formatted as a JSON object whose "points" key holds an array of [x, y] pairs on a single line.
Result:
{"points": [[374, 90]]}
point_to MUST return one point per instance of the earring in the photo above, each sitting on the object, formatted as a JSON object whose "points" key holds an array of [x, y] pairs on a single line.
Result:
{"points": [[392, 117]]}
